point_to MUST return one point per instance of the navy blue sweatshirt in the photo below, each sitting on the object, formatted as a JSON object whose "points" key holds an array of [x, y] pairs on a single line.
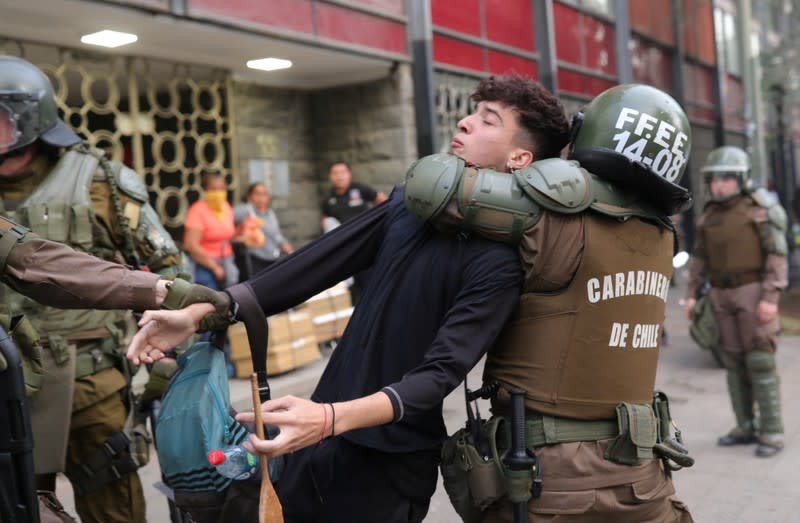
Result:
{"points": [[434, 304]]}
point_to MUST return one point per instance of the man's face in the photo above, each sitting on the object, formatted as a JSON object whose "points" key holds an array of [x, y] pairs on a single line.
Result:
{"points": [[340, 177], [487, 136], [723, 186]]}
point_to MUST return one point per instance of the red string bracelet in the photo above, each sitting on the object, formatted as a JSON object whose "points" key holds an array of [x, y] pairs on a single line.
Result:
{"points": [[324, 422]]}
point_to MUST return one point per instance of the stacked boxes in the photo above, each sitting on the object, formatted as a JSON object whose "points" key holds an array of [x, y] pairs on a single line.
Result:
{"points": [[292, 343], [330, 311], [294, 335]]}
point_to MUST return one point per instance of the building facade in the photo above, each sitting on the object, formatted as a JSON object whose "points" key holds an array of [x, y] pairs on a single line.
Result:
{"points": [[373, 82]]}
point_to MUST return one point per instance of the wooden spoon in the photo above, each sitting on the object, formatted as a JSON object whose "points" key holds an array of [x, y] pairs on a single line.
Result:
{"points": [[269, 506]]}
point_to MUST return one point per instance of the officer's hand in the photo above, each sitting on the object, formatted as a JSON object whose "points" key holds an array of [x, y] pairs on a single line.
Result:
{"points": [[301, 423], [766, 311], [161, 330], [689, 307]]}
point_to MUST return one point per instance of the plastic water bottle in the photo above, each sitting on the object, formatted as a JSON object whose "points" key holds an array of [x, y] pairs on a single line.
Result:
{"points": [[234, 462]]}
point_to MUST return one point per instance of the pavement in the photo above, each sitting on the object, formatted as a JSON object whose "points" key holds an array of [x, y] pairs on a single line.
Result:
{"points": [[726, 484]]}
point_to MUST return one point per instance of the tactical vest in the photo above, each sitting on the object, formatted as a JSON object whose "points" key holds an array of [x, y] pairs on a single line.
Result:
{"points": [[732, 242], [581, 352], [60, 209]]}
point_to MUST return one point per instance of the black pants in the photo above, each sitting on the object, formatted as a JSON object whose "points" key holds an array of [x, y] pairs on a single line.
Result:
{"points": [[340, 482]]}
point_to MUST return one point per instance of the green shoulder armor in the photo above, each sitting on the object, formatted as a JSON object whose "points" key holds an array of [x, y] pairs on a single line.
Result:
{"points": [[563, 186], [131, 183], [776, 213], [430, 183], [558, 185], [773, 237]]}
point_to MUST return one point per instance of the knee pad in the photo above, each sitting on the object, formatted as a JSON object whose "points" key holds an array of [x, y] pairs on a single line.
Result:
{"points": [[760, 362]]}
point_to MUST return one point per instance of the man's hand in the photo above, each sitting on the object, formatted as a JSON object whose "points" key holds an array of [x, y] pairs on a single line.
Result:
{"points": [[160, 331], [301, 423], [689, 307], [219, 272], [766, 311]]}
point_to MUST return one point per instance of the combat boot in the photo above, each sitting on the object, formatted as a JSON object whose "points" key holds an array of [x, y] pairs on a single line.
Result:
{"points": [[766, 391], [741, 395]]}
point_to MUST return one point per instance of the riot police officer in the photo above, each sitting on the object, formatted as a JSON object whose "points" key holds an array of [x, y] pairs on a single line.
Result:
{"points": [[742, 251], [596, 243], [65, 190]]}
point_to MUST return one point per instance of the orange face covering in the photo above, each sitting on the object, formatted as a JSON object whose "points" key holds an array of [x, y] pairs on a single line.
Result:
{"points": [[216, 201]]}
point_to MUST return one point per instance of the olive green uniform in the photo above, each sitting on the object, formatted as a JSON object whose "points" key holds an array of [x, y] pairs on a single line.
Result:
{"points": [[83, 201], [741, 251]]}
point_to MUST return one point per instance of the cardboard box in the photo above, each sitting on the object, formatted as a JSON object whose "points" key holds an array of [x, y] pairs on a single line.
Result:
{"points": [[282, 358], [283, 328], [331, 326], [332, 300]]}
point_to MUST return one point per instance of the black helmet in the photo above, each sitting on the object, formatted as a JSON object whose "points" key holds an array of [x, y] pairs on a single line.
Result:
{"points": [[28, 108], [639, 137]]}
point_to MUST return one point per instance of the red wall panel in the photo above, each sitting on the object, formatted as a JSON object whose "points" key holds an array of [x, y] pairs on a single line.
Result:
{"points": [[284, 14], [503, 63], [599, 45], [698, 32], [510, 22], [568, 33], [653, 19], [462, 16], [394, 7], [577, 83], [651, 64], [353, 27], [455, 52]]}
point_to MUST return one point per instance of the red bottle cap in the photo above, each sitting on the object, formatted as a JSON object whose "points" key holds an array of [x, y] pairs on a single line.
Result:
{"points": [[215, 457]]}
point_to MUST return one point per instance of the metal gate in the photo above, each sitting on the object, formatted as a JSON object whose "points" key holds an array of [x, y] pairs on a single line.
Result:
{"points": [[170, 122]]}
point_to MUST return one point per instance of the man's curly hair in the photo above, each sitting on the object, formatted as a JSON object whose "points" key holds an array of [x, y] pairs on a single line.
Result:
{"points": [[540, 113]]}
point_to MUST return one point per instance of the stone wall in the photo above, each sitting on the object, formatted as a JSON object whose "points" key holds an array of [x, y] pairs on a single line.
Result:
{"points": [[274, 125], [370, 126]]}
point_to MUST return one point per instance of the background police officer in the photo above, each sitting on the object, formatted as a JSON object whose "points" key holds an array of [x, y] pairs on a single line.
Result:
{"points": [[741, 250], [66, 191]]}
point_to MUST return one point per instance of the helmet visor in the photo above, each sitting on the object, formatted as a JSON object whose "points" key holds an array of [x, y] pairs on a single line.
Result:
{"points": [[19, 121]]}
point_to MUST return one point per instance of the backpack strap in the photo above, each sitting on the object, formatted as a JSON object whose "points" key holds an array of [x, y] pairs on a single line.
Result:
{"points": [[255, 323]]}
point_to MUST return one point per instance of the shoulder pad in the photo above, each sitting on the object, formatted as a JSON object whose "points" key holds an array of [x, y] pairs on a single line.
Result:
{"points": [[430, 183], [558, 185], [763, 198], [131, 184], [775, 213], [777, 217]]}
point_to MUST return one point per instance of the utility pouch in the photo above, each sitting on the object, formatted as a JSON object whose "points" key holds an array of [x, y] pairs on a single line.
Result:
{"points": [[704, 329], [637, 435], [473, 482], [27, 340]]}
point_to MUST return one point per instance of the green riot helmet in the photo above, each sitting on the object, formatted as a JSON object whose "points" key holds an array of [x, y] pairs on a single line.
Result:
{"points": [[28, 108], [729, 161], [638, 137]]}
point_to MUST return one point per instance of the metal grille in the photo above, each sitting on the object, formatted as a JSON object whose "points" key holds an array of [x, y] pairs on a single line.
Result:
{"points": [[452, 104], [169, 122]]}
